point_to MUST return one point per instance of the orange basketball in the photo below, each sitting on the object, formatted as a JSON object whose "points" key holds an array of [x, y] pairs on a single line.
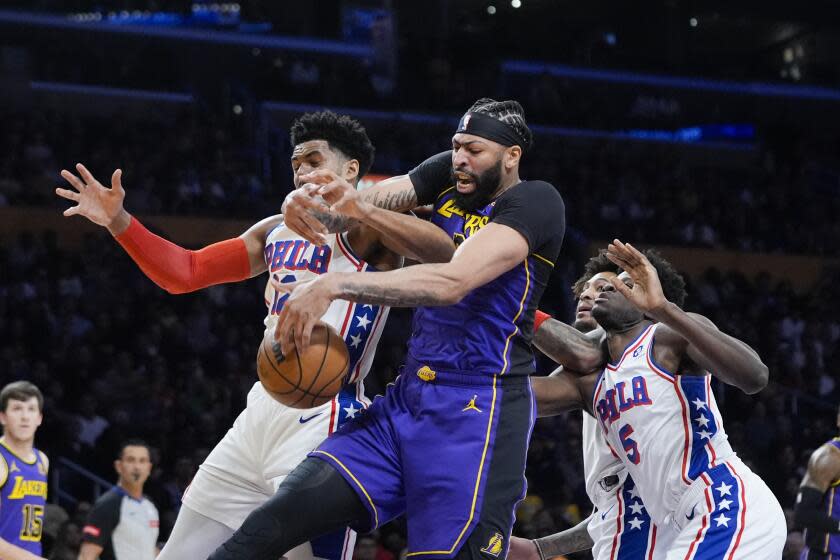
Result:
{"points": [[308, 379]]}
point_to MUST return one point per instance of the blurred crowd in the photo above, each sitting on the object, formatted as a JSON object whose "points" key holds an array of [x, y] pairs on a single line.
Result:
{"points": [[657, 193]]}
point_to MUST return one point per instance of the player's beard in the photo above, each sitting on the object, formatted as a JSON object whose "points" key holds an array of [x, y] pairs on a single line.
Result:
{"points": [[486, 184]]}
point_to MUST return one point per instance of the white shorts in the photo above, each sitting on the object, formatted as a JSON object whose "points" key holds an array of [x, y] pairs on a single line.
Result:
{"points": [[727, 513], [266, 442], [621, 528]]}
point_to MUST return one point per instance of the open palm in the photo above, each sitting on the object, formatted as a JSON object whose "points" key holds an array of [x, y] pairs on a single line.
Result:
{"points": [[646, 292], [94, 201]]}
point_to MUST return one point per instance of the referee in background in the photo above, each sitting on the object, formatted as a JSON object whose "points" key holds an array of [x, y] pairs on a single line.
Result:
{"points": [[123, 524]]}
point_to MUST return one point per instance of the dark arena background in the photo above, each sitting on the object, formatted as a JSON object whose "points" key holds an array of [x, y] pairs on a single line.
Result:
{"points": [[709, 130]]}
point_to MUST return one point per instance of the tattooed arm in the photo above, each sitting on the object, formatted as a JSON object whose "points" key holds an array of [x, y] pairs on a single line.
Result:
{"points": [[483, 257], [565, 542], [569, 347], [301, 205], [402, 234]]}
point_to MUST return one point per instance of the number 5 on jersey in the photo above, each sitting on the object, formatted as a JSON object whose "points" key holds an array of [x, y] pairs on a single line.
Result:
{"points": [[630, 445]]}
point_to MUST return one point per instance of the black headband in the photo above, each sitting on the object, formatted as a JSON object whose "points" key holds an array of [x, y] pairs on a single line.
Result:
{"points": [[487, 127]]}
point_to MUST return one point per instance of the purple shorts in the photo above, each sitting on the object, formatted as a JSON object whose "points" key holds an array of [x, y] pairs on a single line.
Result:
{"points": [[448, 450]]}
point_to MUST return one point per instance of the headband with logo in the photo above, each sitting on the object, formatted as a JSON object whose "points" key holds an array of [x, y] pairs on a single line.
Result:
{"points": [[487, 127]]}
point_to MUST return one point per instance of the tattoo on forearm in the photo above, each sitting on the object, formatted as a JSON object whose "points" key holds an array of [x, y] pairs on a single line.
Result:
{"points": [[571, 540], [393, 297], [402, 200], [335, 223], [558, 339]]}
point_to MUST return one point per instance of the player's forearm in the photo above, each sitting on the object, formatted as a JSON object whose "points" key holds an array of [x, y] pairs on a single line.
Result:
{"points": [[8, 551], [410, 236], [568, 346], [335, 223], [423, 284], [555, 394], [396, 194], [729, 359], [178, 270], [565, 542]]}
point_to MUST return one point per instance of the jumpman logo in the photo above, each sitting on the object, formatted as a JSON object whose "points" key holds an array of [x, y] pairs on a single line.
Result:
{"points": [[471, 405]]}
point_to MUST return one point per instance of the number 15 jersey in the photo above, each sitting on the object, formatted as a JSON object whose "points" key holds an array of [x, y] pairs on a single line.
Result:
{"points": [[23, 495]]}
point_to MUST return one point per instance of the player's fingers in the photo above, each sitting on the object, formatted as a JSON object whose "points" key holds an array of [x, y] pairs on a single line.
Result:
{"points": [[618, 247], [300, 325], [72, 211], [297, 222], [317, 231], [282, 287], [618, 260], [621, 287], [632, 256], [287, 343], [116, 181], [308, 198], [286, 339], [86, 175], [319, 176], [73, 180], [68, 194], [280, 328], [306, 334], [629, 253]]}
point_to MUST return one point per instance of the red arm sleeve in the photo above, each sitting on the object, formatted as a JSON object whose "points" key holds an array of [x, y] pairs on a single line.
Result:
{"points": [[178, 270], [539, 319]]}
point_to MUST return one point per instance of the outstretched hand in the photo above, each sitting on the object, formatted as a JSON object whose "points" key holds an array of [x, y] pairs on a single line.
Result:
{"points": [[646, 292], [96, 202]]}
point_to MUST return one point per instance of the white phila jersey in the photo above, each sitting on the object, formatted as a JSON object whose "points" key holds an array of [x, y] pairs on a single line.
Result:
{"points": [[666, 429], [599, 462], [292, 259]]}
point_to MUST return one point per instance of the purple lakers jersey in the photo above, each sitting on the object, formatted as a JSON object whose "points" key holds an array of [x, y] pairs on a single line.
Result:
{"points": [[489, 331], [825, 542], [23, 495]]}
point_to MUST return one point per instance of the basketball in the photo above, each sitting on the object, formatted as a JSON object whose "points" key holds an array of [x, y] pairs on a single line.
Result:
{"points": [[308, 379]]}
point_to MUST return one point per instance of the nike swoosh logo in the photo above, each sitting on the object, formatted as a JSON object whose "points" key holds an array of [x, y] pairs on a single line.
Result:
{"points": [[690, 517], [303, 420], [604, 515]]}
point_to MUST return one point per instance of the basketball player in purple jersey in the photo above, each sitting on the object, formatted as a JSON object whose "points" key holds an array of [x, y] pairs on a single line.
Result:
{"points": [[23, 472], [818, 503], [446, 445]]}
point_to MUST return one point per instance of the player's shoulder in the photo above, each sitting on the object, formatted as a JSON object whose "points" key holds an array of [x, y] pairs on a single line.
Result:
{"points": [[262, 229], [536, 197], [536, 187], [4, 470], [270, 223], [825, 457], [44, 459]]}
